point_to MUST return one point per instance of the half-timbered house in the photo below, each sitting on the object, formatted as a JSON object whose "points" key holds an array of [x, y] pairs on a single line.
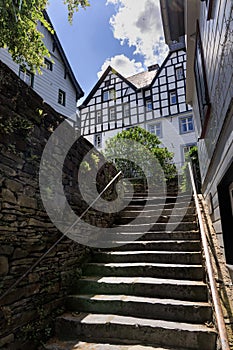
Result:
{"points": [[154, 100]]}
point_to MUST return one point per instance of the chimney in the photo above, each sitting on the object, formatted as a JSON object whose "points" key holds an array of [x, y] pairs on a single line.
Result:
{"points": [[153, 67]]}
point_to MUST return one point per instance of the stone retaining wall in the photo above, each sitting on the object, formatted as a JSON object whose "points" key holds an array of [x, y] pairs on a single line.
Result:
{"points": [[26, 231]]}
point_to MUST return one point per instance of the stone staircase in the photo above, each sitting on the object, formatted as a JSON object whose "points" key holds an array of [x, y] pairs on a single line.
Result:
{"points": [[144, 295]]}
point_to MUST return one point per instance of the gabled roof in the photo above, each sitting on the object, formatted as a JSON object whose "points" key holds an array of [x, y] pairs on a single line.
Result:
{"points": [[79, 91], [143, 79], [100, 81], [138, 81], [164, 63]]}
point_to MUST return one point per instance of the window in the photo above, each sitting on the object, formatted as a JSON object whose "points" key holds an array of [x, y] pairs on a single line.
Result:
{"points": [[156, 129], [98, 117], [112, 113], [201, 85], [61, 97], [26, 76], [107, 83], [48, 64], [109, 95], [186, 125], [179, 73], [211, 5], [98, 140], [65, 73], [126, 110], [231, 196], [173, 97], [149, 104]]}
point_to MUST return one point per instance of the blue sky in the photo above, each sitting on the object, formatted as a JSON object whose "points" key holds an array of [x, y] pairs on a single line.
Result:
{"points": [[124, 33]]}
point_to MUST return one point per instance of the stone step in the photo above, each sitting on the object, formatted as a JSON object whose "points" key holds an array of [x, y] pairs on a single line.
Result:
{"points": [[171, 235], [148, 241], [145, 227], [131, 330], [175, 271], [154, 218], [161, 245], [143, 286], [154, 308], [155, 235], [155, 199], [168, 212], [149, 206], [55, 344], [149, 256]]}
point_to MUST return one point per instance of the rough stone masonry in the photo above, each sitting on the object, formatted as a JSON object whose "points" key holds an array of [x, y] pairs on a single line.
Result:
{"points": [[26, 232]]}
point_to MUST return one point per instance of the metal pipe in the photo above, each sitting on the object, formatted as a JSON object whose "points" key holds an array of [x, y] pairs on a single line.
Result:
{"points": [[213, 286]]}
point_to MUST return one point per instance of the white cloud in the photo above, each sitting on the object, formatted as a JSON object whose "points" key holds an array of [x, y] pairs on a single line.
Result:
{"points": [[138, 24], [123, 65]]}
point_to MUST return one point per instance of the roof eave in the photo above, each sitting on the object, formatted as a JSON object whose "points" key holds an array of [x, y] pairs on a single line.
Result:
{"points": [[173, 19], [79, 91], [99, 82]]}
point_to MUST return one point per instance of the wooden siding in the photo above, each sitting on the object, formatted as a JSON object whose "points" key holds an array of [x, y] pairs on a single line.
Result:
{"points": [[48, 84], [217, 38], [216, 149]]}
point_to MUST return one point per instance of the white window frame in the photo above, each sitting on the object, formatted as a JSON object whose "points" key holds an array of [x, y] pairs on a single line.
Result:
{"points": [[48, 64], [173, 94], [126, 109], [98, 140], [99, 116], [26, 76], [149, 104], [179, 73], [61, 97], [156, 129], [112, 113], [187, 124], [109, 95]]}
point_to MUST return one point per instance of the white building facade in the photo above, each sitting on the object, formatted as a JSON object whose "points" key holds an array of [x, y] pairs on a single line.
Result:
{"points": [[57, 84], [154, 100]]}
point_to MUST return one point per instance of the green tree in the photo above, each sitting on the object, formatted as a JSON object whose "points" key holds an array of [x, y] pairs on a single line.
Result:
{"points": [[18, 29], [191, 157], [149, 142]]}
